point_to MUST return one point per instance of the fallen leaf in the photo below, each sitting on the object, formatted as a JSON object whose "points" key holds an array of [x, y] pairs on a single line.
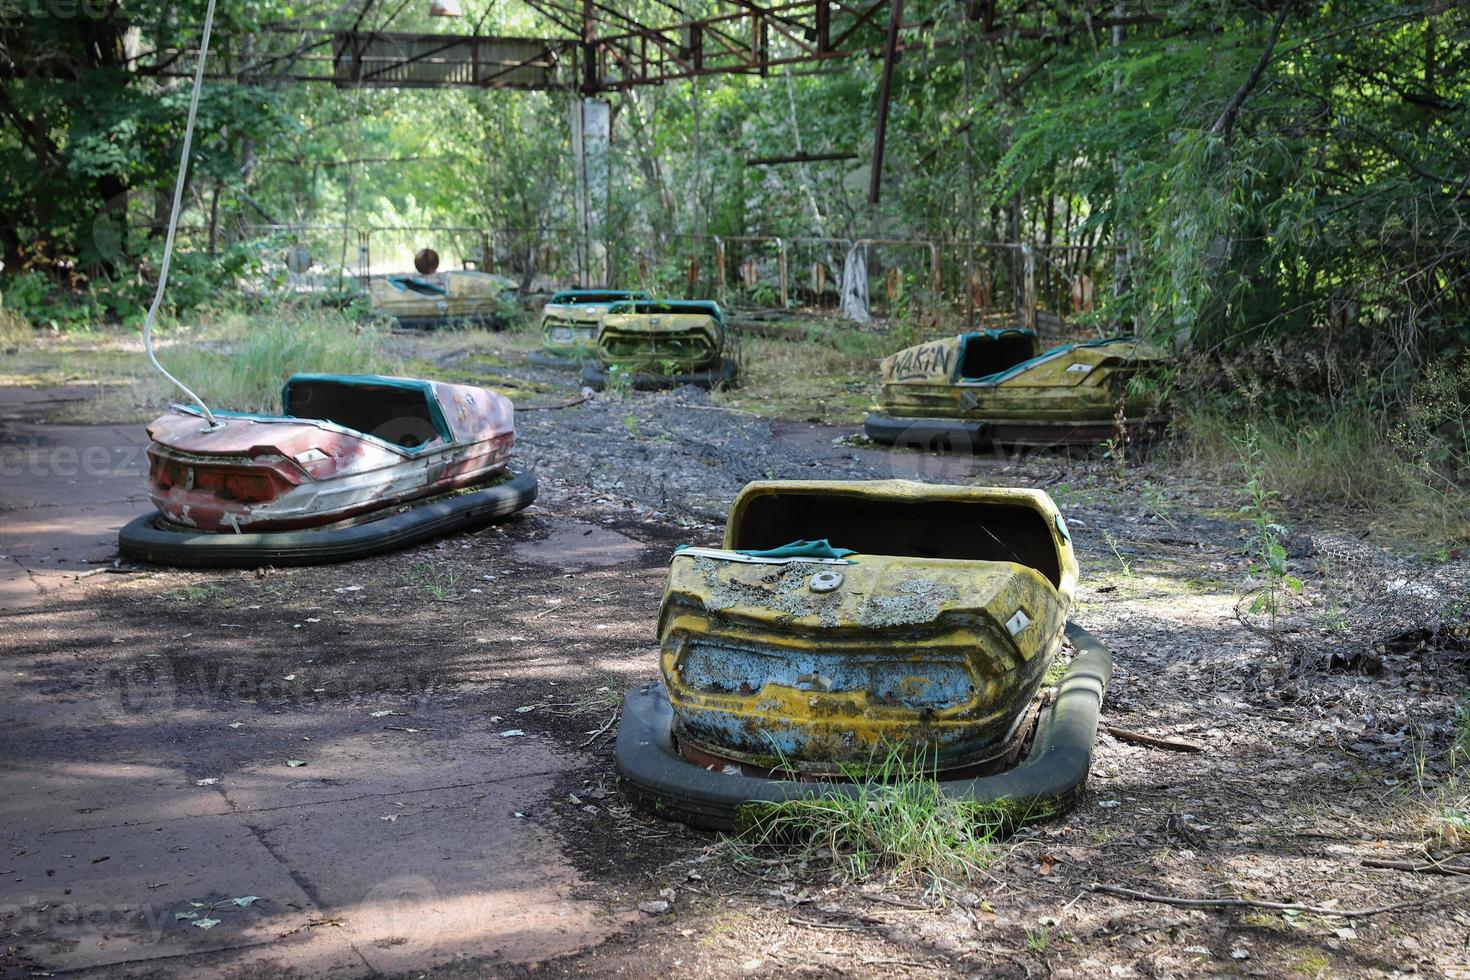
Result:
{"points": [[383, 714], [289, 677], [205, 923], [511, 733], [206, 782], [245, 901], [294, 763], [237, 724]]}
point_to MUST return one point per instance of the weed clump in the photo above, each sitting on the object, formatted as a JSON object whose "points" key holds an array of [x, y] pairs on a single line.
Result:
{"points": [[896, 821]]}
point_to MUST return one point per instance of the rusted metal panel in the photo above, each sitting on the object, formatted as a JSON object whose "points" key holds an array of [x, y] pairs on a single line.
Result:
{"points": [[443, 297], [266, 473], [829, 664]]}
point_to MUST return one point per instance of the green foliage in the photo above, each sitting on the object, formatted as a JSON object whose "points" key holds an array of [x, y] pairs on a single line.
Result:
{"points": [[619, 382], [1329, 213], [438, 581], [1267, 541]]}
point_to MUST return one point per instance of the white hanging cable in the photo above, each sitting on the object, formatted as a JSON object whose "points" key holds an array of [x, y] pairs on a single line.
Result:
{"points": [[173, 221]]}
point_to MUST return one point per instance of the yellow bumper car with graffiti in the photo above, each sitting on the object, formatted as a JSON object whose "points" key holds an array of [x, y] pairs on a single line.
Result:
{"points": [[995, 387]]}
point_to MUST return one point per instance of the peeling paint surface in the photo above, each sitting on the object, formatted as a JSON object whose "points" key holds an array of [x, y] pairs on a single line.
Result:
{"points": [[266, 473], [655, 341], [1072, 382], [906, 652]]}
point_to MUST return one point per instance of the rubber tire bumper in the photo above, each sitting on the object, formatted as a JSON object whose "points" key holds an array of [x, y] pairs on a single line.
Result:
{"points": [[1049, 781], [947, 434], [142, 539], [594, 376], [490, 321], [556, 362]]}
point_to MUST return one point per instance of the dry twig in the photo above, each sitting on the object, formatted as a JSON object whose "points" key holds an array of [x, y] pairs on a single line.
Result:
{"points": [[1250, 903], [1430, 868], [1140, 738], [548, 408]]}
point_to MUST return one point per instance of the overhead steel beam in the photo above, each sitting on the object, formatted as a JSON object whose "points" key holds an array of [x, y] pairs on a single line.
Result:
{"points": [[606, 48]]}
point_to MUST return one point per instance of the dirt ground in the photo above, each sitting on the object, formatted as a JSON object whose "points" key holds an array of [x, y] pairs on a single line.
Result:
{"points": [[403, 766]]}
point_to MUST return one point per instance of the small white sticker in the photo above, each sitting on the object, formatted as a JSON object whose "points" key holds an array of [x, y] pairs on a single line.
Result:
{"points": [[1079, 369], [1018, 622]]}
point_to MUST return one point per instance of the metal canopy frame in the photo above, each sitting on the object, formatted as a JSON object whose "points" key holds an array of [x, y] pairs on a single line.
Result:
{"points": [[602, 48], [605, 49]]}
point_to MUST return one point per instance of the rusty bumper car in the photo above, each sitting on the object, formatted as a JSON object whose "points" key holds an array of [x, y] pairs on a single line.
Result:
{"points": [[355, 465], [459, 298], [569, 325], [994, 387], [789, 665], [662, 343]]}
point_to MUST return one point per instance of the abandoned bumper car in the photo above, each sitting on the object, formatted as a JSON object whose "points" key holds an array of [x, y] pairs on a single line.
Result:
{"points": [[994, 387], [459, 298], [356, 465], [569, 325], [936, 631], [662, 343]]}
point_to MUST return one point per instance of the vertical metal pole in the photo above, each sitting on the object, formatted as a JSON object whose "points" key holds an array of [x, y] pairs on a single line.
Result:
{"points": [[590, 81], [785, 302], [1028, 286], [885, 88], [720, 268], [969, 285], [577, 109]]}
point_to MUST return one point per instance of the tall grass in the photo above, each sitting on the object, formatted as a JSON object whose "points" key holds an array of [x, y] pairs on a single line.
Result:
{"points": [[238, 361], [898, 821], [15, 329], [1331, 462]]}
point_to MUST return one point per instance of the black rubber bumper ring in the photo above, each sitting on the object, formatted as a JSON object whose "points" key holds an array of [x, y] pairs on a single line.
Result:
{"points": [[1049, 781], [594, 376], [557, 362], [953, 434], [142, 539]]}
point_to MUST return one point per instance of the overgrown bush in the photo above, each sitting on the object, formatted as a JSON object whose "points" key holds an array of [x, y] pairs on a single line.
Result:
{"points": [[41, 301], [1406, 468]]}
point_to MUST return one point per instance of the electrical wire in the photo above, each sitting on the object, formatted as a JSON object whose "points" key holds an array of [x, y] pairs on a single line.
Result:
{"points": [[173, 222]]}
